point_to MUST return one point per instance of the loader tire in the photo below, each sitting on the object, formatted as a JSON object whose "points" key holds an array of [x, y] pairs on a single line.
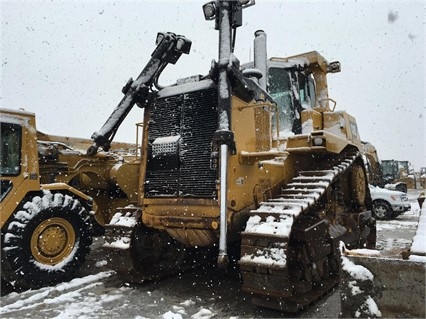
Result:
{"points": [[46, 241]]}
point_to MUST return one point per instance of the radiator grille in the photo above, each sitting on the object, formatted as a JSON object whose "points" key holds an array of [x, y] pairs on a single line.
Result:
{"points": [[187, 172]]}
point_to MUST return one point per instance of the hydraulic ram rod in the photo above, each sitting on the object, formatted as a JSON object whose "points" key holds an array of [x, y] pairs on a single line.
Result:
{"points": [[228, 16]]}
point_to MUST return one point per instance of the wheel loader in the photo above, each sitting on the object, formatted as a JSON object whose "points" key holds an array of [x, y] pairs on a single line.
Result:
{"points": [[46, 230], [54, 199], [397, 175], [390, 174], [253, 154]]}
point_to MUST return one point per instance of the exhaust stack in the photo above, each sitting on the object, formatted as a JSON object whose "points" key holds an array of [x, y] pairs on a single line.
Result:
{"points": [[260, 56]]}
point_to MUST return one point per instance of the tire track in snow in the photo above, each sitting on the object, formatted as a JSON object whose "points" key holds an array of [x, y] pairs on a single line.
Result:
{"points": [[59, 294]]}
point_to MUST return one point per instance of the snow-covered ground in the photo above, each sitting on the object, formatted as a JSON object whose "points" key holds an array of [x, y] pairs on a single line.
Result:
{"points": [[202, 293], [418, 247], [102, 296], [397, 234]]}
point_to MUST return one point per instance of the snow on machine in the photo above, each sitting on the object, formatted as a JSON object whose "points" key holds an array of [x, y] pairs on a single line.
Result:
{"points": [[252, 154]]}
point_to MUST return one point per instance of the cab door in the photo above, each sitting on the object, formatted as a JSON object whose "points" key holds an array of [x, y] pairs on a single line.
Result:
{"points": [[18, 161]]}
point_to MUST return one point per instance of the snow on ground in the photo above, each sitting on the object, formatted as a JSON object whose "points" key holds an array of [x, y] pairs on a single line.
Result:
{"points": [[195, 295], [93, 297], [103, 296], [358, 289], [396, 229], [418, 247]]}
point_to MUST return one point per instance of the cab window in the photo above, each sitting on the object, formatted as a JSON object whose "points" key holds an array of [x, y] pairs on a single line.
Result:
{"points": [[306, 91], [10, 149], [280, 88]]}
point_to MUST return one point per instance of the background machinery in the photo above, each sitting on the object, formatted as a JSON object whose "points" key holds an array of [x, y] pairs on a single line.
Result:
{"points": [[398, 173], [422, 177], [390, 174], [251, 154], [54, 198], [46, 229], [372, 165]]}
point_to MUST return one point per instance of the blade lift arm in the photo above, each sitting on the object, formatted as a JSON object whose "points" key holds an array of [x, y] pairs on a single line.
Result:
{"points": [[169, 49], [228, 17]]}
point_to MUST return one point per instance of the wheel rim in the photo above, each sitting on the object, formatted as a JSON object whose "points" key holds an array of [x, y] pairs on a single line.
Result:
{"points": [[380, 211], [52, 241]]}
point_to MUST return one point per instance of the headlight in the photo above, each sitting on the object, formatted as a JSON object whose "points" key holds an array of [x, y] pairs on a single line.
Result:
{"points": [[209, 10], [246, 3]]}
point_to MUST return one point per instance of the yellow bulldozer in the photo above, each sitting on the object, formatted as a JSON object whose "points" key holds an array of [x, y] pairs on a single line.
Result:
{"points": [[253, 154]]}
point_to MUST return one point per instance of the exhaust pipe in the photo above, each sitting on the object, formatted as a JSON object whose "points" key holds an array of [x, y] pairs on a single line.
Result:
{"points": [[260, 56]]}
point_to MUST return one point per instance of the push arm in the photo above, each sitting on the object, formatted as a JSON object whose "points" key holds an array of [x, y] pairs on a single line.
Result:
{"points": [[169, 48]]}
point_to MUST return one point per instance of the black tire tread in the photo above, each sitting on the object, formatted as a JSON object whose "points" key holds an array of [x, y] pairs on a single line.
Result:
{"points": [[18, 264]]}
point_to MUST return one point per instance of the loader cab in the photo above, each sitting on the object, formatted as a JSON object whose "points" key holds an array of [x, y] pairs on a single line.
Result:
{"points": [[10, 152], [389, 170], [293, 91], [18, 157]]}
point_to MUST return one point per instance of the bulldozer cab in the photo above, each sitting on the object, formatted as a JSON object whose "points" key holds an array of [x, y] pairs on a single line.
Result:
{"points": [[298, 84], [293, 91]]}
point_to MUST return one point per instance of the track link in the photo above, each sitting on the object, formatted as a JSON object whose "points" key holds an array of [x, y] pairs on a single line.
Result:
{"points": [[118, 238], [288, 259], [139, 254]]}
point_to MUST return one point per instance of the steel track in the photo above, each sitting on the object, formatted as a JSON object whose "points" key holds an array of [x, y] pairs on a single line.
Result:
{"points": [[288, 259]]}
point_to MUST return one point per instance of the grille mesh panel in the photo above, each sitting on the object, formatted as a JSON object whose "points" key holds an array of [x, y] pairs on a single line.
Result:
{"points": [[192, 116]]}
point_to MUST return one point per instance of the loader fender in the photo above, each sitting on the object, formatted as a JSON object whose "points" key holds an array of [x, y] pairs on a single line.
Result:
{"points": [[86, 200]]}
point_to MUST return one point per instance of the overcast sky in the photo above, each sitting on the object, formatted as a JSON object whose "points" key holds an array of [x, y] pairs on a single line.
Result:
{"points": [[67, 61]]}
